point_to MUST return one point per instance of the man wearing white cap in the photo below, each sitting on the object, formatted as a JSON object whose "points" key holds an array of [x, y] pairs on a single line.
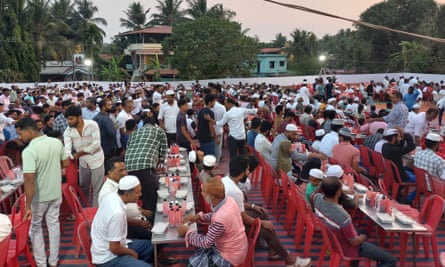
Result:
{"points": [[208, 163], [167, 116], [291, 133], [318, 136], [110, 246], [419, 125], [427, 158], [315, 178], [331, 139], [414, 111], [388, 132]]}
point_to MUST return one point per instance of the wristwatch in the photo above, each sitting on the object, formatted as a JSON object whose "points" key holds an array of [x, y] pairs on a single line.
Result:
{"points": [[252, 206]]}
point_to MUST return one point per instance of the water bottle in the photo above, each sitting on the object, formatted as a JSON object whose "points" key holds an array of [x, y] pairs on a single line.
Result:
{"points": [[165, 208], [178, 216], [184, 205], [171, 218]]}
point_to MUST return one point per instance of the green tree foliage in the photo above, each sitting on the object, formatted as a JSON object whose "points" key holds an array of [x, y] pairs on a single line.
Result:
{"points": [[413, 56], [417, 16], [16, 54], [113, 71], [198, 8], [303, 57], [209, 48], [280, 40], [136, 17], [169, 13]]}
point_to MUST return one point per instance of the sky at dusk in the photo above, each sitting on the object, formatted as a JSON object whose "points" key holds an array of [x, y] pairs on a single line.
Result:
{"points": [[263, 19]]}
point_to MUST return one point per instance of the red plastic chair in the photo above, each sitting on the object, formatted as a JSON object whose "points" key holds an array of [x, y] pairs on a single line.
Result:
{"points": [[422, 181], [331, 243], [83, 233], [377, 160], [4, 246], [305, 222], [252, 239], [429, 217], [19, 245], [365, 155], [72, 178], [267, 183], [442, 258], [437, 186], [18, 210], [393, 172], [285, 196], [82, 214]]}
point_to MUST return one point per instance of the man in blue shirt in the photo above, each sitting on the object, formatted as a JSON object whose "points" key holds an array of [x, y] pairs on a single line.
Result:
{"points": [[410, 98], [254, 129]]}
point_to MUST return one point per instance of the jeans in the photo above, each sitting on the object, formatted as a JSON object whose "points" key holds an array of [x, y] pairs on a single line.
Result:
{"points": [[236, 147], [52, 209], [373, 252], [150, 184], [144, 250], [91, 178], [208, 148]]}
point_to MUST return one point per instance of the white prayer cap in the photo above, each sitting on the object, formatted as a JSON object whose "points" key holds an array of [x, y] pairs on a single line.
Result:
{"points": [[192, 156], [433, 137], [209, 161], [170, 92], [390, 132], [334, 171], [319, 132], [128, 182], [338, 122], [317, 173], [332, 99], [291, 128], [416, 106]]}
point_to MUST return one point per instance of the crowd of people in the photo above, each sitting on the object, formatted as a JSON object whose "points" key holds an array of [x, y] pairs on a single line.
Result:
{"points": [[124, 131]]}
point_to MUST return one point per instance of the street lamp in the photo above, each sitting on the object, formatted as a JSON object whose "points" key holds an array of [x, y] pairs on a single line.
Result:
{"points": [[88, 62], [322, 59]]}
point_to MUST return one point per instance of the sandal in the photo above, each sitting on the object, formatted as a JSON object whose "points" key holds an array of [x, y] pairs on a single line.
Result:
{"points": [[168, 260], [274, 257]]}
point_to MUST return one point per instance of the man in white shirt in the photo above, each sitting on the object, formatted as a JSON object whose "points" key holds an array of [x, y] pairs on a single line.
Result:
{"points": [[234, 117], [419, 125], [262, 145], [167, 116], [218, 110], [331, 139], [305, 94], [82, 142], [4, 98], [3, 122], [110, 246], [157, 95], [238, 172], [122, 117], [414, 111]]}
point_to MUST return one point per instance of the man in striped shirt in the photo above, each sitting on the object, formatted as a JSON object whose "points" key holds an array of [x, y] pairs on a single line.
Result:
{"points": [[225, 243], [82, 142]]}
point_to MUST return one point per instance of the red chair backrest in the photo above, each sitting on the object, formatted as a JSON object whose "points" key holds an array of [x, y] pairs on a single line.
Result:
{"points": [[252, 239], [365, 155], [377, 160], [392, 170], [77, 204], [68, 198], [4, 246], [432, 211], [83, 233], [71, 173], [383, 187], [437, 185], [21, 231], [284, 182], [421, 179], [18, 210], [250, 149], [330, 240]]}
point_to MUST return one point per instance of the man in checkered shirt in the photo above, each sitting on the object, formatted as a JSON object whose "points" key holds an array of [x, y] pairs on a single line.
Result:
{"points": [[427, 158], [145, 149]]}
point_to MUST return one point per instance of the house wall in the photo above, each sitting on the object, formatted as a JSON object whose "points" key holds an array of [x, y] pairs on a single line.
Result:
{"points": [[271, 64]]}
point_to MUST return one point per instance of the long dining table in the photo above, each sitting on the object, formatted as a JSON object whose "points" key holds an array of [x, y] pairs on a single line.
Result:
{"points": [[395, 226], [170, 235]]}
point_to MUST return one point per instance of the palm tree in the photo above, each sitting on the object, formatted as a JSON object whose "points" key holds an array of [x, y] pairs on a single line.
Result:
{"points": [[47, 32], [87, 26], [63, 10], [303, 43], [136, 17], [198, 8], [113, 72], [280, 40], [169, 13]]}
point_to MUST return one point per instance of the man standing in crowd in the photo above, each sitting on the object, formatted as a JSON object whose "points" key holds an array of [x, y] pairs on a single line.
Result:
{"points": [[43, 160], [82, 142], [218, 110], [183, 138], [419, 125], [60, 122], [234, 117], [167, 116], [107, 130], [146, 148], [206, 134], [398, 117], [123, 116], [90, 109], [110, 246]]}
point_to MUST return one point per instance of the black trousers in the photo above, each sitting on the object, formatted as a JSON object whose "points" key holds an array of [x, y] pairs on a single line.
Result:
{"points": [[236, 147], [171, 138], [150, 184]]}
